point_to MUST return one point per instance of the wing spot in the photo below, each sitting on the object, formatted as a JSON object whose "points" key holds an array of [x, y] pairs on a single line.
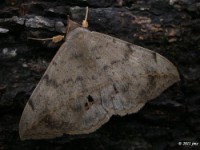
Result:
{"points": [[90, 99], [49, 81], [54, 63], [98, 57], [87, 106], [130, 48], [79, 78], [105, 67], [115, 88], [89, 102], [114, 62]]}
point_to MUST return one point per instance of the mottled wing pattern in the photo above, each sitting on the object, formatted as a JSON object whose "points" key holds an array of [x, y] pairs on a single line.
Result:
{"points": [[92, 77]]}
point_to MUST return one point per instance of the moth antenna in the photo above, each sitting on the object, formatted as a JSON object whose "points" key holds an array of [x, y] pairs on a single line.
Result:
{"points": [[85, 22], [54, 39], [39, 39], [57, 38], [86, 13]]}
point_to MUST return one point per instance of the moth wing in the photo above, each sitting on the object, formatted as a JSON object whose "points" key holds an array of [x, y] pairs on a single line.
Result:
{"points": [[136, 74], [92, 77]]}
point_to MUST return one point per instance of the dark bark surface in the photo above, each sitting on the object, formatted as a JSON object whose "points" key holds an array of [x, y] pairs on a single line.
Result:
{"points": [[171, 30]]}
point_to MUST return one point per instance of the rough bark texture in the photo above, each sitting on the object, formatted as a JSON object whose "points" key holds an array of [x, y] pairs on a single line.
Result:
{"points": [[171, 30]]}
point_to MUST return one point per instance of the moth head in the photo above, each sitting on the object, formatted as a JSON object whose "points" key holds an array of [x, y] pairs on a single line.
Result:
{"points": [[71, 25]]}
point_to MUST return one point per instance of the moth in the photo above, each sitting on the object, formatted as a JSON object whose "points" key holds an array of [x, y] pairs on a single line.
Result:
{"points": [[92, 77]]}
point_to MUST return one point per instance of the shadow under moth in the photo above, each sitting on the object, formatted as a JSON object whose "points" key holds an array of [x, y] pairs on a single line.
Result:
{"points": [[92, 77]]}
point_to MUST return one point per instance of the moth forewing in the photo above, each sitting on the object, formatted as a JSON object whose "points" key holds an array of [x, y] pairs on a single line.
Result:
{"points": [[92, 77]]}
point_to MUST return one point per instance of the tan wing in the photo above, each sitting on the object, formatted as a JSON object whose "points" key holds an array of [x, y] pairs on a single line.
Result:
{"points": [[92, 77]]}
